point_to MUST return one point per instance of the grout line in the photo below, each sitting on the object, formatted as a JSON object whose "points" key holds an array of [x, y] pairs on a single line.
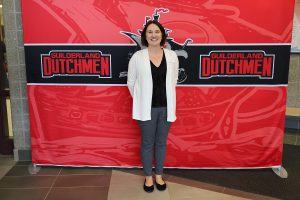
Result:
{"points": [[223, 190], [84, 174], [33, 188], [10, 176], [82, 186], [53, 184], [46, 175], [85, 186], [109, 181]]}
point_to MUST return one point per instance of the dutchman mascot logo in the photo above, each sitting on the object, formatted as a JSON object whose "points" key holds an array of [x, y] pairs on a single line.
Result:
{"points": [[237, 64], [76, 63]]}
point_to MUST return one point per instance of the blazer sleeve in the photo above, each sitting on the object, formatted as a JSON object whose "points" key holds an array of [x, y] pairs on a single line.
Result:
{"points": [[131, 74]]}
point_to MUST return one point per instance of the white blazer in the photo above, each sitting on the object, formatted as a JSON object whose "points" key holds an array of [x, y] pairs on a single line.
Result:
{"points": [[140, 85]]}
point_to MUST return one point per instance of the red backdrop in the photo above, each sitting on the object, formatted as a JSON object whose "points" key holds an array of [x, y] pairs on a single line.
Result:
{"points": [[220, 124]]}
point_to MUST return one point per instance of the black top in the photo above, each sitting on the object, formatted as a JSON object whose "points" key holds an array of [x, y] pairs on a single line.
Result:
{"points": [[159, 97]]}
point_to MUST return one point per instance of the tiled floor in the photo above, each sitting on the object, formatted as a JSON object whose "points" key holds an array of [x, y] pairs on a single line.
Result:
{"points": [[6, 163], [292, 136], [64, 183]]}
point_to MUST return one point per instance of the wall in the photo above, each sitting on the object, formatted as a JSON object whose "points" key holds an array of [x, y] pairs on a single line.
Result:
{"points": [[17, 77], [292, 134], [293, 100]]}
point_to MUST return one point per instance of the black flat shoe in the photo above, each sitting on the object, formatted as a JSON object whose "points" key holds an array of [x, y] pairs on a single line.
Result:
{"points": [[161, 187], [148, 189]]}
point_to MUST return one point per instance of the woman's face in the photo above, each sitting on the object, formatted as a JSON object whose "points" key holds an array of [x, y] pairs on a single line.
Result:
{"points": [[153, 35]]}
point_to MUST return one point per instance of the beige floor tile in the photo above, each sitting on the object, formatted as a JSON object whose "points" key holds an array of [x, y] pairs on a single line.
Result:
{"points": [[6, 163], [182, 192], [6, 160], [236, 198], [247, 195], [196, 184], [127, 186], [4, 169]]}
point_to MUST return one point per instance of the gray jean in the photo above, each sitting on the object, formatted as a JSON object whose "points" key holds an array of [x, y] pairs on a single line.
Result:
{"points": [[154, 133]]}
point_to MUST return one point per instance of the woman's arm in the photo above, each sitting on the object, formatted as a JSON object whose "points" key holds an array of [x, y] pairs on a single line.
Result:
{"points": [[131, 75], [176, 66]]}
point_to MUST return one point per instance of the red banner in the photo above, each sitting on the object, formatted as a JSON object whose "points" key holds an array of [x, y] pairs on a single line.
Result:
{"points": [[231, 93]]}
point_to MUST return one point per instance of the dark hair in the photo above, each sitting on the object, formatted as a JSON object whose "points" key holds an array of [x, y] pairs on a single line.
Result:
{"points": [[162, 30]]}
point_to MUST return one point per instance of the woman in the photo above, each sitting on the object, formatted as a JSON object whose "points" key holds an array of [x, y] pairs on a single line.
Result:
{"points": [[152, 78]]}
